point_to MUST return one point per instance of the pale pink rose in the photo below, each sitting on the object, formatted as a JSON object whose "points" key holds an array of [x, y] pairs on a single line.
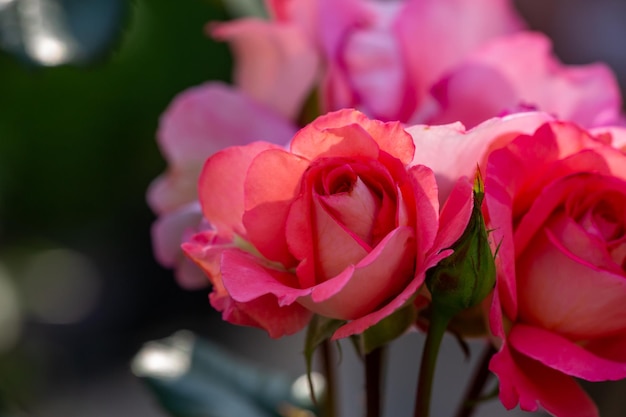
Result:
{"points": [[340, 224], [381, 57], [275, 62], [199, 122], [517, 72], [556, 202], [452, 151]]}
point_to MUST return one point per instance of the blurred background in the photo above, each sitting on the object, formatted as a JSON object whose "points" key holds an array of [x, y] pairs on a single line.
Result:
{"points": [[80, 291]]}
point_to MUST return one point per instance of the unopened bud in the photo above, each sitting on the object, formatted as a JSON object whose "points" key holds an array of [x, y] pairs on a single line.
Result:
{"points": [[465, 278]]}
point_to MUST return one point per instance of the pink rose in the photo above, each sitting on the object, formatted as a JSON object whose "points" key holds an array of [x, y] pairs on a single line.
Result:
{"points": [[556, 201], [199, 122], [380, 57], [521, 74], [340, 224]]}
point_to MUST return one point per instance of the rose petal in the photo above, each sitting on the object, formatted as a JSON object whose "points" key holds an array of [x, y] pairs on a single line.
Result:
{"points": [[247, 277], [336, 246], [266, 314], [167, 235], [355, 209], [276, 63], [588, 95], [548, 198], [612, 348], [271, 185], [199, 122], [589, 249], [423, 31], [390, 137], [350, 141], [375, 67], [531, 384], [381, 274], [221, 186], [168, 230], [455, 214], [451, 152], [427, 207], [563, 355], [568, 299]]}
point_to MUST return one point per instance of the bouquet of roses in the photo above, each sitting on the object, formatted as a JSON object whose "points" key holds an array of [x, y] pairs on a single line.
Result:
{"points": [[419, 164]]}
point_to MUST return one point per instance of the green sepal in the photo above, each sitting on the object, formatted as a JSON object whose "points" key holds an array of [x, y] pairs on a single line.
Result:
{"points": [[465, 278], [388, 329]]}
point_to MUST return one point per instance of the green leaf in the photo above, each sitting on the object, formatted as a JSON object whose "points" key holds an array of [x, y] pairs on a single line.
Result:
{"points": [[389, 328], [194, 378]]}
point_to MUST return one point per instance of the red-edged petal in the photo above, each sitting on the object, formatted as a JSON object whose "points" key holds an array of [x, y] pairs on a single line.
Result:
{"points": [[530, 384], [221, 186], [271, 185], [455, 214], [265, 313], [247, 277], [390, 137], [382, 274], [349, 141], [427, 207], [563, 355]]}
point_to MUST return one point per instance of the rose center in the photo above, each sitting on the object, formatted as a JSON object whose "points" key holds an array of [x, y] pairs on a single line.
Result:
{"points": [[606, 220]]}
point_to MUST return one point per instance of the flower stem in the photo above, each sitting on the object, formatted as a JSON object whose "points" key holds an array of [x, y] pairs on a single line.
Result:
{"points": [[374, 381], [480, 378], [436, 330], [330, 401]]}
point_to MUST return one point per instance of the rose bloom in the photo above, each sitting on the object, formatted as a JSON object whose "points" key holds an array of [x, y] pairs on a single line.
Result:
{"points": [[381, 57], [557, 203], [555, 199], [340, 224], [398, 60]]}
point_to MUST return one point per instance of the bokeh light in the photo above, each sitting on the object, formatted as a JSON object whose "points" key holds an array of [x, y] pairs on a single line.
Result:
{"points": [[60, 286], [167, 359]]}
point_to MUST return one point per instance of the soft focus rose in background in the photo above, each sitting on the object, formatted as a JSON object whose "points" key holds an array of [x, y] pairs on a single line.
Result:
{"points": [[199, 122], [557, 203], [380, 57], [399, 61], [339, 224], [518, 73]]}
